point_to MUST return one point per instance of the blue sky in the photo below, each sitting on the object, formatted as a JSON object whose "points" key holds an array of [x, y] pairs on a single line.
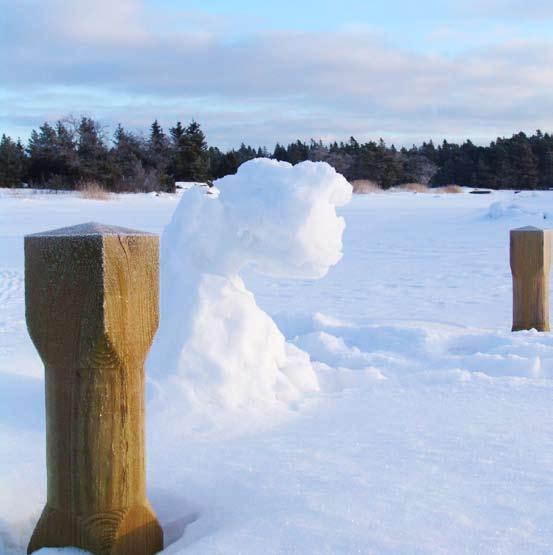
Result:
{"points": [[262, 72], [398, 17]]}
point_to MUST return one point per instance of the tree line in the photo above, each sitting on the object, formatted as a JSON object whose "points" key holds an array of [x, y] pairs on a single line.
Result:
{"points": [[73, 152]]}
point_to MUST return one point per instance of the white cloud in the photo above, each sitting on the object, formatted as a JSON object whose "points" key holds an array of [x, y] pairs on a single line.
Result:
{"points": [[134, 64]]}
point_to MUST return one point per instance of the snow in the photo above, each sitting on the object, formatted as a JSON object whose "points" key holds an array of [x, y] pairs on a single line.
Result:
{"points": [[88, 229], [512, 209], [61, 551], [430, 431], [215, 346]]}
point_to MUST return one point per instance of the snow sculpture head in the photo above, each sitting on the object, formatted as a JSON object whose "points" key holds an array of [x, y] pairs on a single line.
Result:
{"points": [[214, 344], [278, 217]]}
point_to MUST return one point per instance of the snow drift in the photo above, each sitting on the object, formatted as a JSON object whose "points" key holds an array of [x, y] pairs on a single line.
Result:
{"points": [[214, 344]]}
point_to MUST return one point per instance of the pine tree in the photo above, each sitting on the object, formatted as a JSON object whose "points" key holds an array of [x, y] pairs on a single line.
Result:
{"points": [[158, 146], [66, 153], [500, 165], [542, 148], [280, 153], [44, 163], [222, 164], [196, 153], [12, 162], [245, 153], [127, 161], [158, 157], [190, 158], [524, 162], [177, 164], [92, 151]]}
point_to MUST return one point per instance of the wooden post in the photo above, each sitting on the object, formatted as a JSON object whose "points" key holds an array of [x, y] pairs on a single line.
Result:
{"points": [[530, 265], [91, 297]]}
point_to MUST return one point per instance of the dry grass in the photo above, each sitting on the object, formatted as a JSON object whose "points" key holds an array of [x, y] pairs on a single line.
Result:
{"points": [[92, 190], [365, 186], [413, 187], [450, 189]]}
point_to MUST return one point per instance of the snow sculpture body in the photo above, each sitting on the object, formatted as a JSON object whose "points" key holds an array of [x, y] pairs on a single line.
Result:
{"points": [[215, 345]]}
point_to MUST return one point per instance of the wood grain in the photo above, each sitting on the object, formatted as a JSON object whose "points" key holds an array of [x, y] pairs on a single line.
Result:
{"points": [[530, 267], [92, 295]]}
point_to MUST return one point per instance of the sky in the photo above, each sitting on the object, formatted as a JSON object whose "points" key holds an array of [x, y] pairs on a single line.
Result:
{"points": [[267, 72]]}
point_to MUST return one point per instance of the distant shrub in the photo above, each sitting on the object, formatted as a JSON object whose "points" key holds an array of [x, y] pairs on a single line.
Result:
{"points": [[413, 187], [365, 186], [449, 189], [141, 180], [92, 190]]}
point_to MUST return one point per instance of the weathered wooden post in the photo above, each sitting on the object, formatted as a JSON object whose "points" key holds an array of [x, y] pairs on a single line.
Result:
{"points": [[91, 296], [530, 265]]}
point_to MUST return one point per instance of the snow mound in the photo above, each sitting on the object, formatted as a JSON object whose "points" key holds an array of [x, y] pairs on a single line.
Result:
{"points": [[215, 346], [498, 210], [425, 352]]}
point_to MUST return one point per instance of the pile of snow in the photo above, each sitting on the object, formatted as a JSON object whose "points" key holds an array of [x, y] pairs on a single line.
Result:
{"points": [[215, 346], [350, 355], [515, 209]]}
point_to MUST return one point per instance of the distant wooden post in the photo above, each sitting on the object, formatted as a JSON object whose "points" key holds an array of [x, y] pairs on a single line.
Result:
{"points": [[530, 265], [91, 296]]}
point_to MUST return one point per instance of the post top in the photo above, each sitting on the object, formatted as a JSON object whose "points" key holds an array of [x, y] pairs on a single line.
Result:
{"points": [[530, 228], [89, 229]]}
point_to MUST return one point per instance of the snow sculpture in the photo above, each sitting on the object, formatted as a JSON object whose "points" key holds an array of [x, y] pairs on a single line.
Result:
{"points": [[215, 345]]}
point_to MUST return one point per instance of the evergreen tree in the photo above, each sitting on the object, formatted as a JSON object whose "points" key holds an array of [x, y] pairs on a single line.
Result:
{"points": [[178, 163], [92, 151], [196, 153], [159, 155], [127, 161], [12, 162], [190, 157], [542, 147], [245, 153], [222, 164], [66, 153], [280, 153], [158, 146], [297, 152], [525, 163], [43, 161], [501, 165]]}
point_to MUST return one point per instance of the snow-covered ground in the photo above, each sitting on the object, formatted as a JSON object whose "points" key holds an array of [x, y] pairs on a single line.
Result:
{"points": [[432, 429]]}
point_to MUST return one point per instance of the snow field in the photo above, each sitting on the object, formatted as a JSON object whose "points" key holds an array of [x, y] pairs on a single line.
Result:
{"points": [[430, 431]]}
